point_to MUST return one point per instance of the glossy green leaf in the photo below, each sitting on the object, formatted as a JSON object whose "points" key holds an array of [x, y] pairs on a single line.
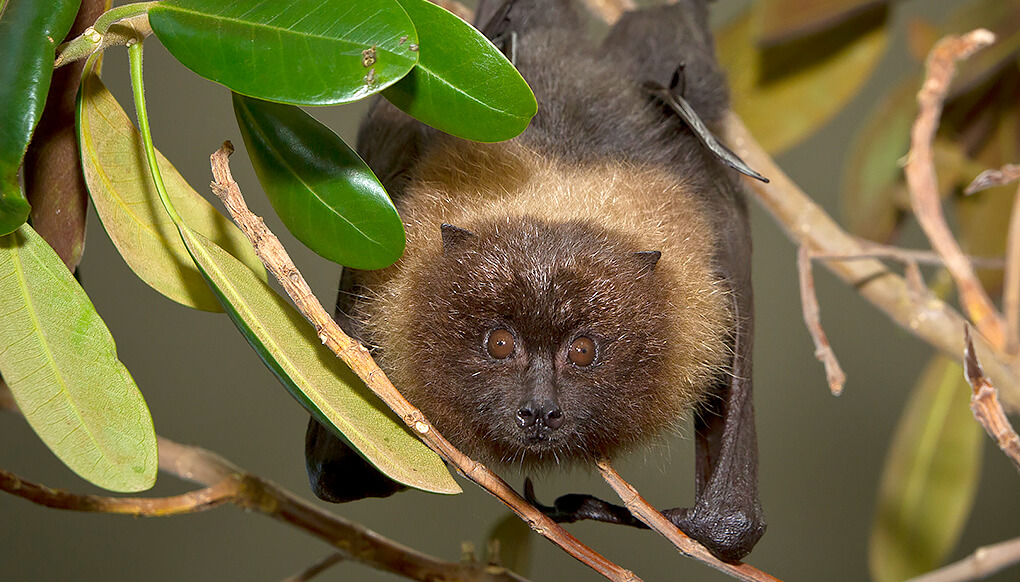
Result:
{"points": [[304, 52], [60, 362], [463, 85], [125, 198], [787, 93], [930, 477], [321, 189], [52, 170], [783, 20], [314, 375], [29, 33]]}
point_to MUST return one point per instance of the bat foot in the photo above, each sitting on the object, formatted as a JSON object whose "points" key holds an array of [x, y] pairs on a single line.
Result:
{"points": [[728, 535], [576, 507]]}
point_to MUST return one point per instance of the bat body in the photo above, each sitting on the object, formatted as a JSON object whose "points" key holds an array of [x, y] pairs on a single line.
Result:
{"points": [[570, 294]]}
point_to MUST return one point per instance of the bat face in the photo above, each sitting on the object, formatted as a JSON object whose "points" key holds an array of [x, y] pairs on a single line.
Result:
{"points": [[538, 343]]}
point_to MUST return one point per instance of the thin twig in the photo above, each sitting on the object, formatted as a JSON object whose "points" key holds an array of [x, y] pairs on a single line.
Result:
{"points": [[316, 568], [813, 320], [992, 178], [357, 358], [807, 224], [1011, 280], [873, 250], [984, 562], [658, 523], [923, 183], [227, 490], [984, 403]]}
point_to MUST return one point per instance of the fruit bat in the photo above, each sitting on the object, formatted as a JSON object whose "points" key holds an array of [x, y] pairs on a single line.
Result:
{"points": [[569, 294]]}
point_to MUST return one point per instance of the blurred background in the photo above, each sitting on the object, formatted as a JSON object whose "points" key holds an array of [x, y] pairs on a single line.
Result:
{"points": [[821, 456]]}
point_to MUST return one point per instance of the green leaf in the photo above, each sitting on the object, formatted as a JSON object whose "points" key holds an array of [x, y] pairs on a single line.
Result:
{"points": [[786, 93], [61, 364], [29, 33], [314, 375], [463, 85], [125, 198], [873, 173], [321, 189], [930, 476], [305, 52]]}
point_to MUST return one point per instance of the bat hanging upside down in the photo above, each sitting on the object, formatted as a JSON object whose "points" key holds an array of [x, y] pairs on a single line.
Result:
{"points": [[570, 294]]}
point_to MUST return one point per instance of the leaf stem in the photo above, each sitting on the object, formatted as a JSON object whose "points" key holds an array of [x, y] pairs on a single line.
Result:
{"points": [[137, 88]]}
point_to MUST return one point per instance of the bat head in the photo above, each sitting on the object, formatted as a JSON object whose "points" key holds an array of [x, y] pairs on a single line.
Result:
{"points": [[532, 343]]}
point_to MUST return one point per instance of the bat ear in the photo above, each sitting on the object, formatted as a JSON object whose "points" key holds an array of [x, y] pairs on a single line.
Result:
{"points": [[647, 259], [454, 235]]}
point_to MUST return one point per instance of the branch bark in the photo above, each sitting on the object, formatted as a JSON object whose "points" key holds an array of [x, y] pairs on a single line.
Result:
{"points": [[923, 183], [651, 517], [226, 482], [984, 403], [984, 562], [807, 224], [358, 359], [813, 320]]}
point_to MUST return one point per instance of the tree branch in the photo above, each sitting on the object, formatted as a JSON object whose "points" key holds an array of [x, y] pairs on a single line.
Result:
{"points": [[807, 224], [923, 183], [984, 562], [658, 522], [984, 403], [226, 482], [813, 320], [357, 358]]}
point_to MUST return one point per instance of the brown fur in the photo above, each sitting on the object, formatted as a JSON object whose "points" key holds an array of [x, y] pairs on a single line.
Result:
{"points": [[552, 257]]}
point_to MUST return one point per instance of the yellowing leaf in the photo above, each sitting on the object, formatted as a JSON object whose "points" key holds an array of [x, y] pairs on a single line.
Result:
{"points": [[125, 199], [930, 476], [61, 365], [314, 375]]}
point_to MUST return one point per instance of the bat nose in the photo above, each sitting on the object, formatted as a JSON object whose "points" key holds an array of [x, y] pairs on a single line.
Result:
{"points": [[541, 413]]}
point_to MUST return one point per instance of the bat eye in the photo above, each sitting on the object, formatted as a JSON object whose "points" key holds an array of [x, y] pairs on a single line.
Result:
{"points": [[581, 351], [500, 344]]}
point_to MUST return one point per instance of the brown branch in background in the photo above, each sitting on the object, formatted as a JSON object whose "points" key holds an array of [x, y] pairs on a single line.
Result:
{"points": [[658, 523], [807, 224], [923, 183], [226, 482], [609, 11], [813, 320], [226, 490], [316, 568], [351, 540], [992, 178], [984, 403], [984, 562], [358, 359], [1011, 279]]}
